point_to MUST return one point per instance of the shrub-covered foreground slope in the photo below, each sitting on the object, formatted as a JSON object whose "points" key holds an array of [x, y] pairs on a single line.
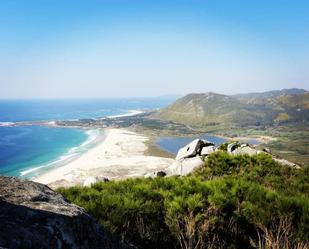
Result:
{"points": [[233, 202]]}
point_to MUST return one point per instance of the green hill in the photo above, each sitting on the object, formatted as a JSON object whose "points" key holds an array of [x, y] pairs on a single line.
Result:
{"points": [[253, 109]]}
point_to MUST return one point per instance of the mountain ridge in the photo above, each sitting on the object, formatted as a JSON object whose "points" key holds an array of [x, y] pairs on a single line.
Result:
{"points": [[252, 109]]}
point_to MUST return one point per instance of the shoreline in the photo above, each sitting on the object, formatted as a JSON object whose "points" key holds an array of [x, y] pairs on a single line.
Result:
{"points": [[122, 154], [94, 136]]}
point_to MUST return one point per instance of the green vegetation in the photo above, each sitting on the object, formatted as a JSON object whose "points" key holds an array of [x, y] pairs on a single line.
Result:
{"points": [[232, 202], [281, 114], [292, 142], [217, 111], [210, 110]]}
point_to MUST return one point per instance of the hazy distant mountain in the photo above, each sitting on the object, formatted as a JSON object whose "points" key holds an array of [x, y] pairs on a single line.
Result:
{"points": [[252, 109], [270, 94]]}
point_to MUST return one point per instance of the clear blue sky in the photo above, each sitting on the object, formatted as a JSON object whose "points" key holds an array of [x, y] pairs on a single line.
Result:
{"points": [[97, 48]]}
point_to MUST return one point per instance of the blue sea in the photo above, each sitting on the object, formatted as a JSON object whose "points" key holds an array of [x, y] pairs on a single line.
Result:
{"points": [[27, 151]]}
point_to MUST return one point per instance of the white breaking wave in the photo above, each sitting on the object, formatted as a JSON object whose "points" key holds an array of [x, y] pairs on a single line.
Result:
{"points": [[71, 154], [25, 172], [128, 114], [92, 136], [61, 159], [52, 123], [6, 123]]}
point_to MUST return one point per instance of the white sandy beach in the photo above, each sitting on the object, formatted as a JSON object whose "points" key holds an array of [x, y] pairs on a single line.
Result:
{"points": [[119, 156]]}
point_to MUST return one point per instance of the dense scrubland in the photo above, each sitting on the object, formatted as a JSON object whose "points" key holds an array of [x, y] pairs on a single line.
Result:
{"points": [[231, 202]]}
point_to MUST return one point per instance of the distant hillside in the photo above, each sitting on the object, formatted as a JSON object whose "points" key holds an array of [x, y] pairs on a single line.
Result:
{"points": [[252, 109], [269, 94]]}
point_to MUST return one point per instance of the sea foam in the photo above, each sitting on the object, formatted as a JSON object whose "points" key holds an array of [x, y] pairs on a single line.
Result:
{"points": [[69, 156], [128, 114], [7, 123]]}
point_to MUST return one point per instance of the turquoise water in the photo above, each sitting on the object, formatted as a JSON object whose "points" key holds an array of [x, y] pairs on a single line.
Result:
{"points": [[173, 144], [28, 147], [27, 151]]}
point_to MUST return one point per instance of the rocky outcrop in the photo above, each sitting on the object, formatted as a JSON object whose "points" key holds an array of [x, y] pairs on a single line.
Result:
{"points": [[185, 166], [188, 158], [286, 163], [34, 216], [191, 157], [194, 148], [237, 148], [92, 180], [242, 149]]}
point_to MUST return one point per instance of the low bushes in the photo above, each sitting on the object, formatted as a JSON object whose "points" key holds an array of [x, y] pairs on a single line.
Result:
{"points": [[233, 202]]}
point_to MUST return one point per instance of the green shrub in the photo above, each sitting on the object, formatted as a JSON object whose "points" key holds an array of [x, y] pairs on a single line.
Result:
{"points": [[246, 196]]}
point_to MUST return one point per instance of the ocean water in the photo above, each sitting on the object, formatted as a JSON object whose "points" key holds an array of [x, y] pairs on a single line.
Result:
{"points": [[173, 144], [25, 148], [27, 151], [34, 110]]}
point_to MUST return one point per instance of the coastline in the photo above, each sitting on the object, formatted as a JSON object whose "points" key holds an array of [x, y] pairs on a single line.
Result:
{"points": [[94, 136], [121, 154]]}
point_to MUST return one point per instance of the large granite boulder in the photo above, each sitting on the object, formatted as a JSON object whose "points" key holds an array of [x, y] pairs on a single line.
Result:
{"points": [[185, 166], [34, 216], [190, 157], [89, 181], [245, 149], [192, 149], [237, 148], [207, 150]]}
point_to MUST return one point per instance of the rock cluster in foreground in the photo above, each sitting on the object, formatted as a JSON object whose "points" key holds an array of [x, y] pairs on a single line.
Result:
{"points": [[34, 216], [193, 155]]}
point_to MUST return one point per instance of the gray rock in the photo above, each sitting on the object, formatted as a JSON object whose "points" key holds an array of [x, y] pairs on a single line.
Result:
{"points": [[207, 150], [192, 149], [155, 174], [242, 149], [246, 149], [161, 174], [186, 166], [267, 150], [94, 179], [34, 216], [232, 146], [286, 163]]}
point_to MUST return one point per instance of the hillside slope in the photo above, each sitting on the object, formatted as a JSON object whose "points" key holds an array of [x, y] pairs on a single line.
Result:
{"points": [[270, 94], [229, 202], [211, 109]]}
